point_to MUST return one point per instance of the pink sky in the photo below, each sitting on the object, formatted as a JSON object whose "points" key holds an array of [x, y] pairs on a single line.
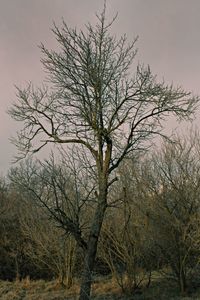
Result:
{"points": [[169, 41]]}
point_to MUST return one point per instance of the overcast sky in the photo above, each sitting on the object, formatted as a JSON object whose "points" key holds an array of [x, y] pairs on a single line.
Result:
{"points": [[169, 41]]}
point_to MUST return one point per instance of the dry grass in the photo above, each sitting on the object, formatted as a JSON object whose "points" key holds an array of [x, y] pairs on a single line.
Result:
{"points": [[34, 290], [102, 289]]}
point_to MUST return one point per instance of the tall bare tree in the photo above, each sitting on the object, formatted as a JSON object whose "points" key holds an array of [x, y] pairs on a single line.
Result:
{"points": [[93, 101]]}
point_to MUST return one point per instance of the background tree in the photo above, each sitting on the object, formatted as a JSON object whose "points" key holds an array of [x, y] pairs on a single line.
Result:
{"points": [[125, 243], [125, 247], [92, 101], [14, 261], [171, 193], [31, 243], [47, 247]]}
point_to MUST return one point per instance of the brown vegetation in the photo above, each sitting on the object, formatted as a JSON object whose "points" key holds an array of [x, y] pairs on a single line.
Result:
{"points": [[149, 247], [103, 289]]}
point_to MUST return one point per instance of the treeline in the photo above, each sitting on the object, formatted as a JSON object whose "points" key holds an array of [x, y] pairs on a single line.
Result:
{"points": [[152, 222]]}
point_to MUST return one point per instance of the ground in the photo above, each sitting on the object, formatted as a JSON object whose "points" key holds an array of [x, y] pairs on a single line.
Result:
{"points": [[103, 289]]}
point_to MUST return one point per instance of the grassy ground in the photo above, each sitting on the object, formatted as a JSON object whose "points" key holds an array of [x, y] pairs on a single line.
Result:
{"points": [[104, 289]]}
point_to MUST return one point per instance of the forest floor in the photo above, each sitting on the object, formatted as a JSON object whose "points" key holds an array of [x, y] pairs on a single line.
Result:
{"points": [[103, 289]]}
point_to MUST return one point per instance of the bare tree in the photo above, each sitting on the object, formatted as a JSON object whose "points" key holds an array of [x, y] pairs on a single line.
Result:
{"points": [[46, 245], [174, 206], [5, 203], [12, 243], [123, 246], [93, 101]]}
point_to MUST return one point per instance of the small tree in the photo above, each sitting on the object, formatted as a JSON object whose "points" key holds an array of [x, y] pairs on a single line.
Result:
{"points": [[123, 248], [174, 206], [94, 102], [46, 246], [12, 244]]}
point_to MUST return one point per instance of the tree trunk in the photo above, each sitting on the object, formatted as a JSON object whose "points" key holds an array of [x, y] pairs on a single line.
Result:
{"points": [[92, 246], [17, 268], [70, 264], [182, 282]]}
